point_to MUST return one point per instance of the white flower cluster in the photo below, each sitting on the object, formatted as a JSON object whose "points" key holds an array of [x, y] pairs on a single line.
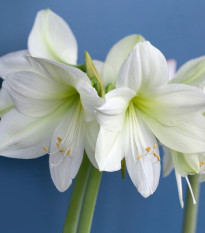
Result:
{"points": [[47, 104]]}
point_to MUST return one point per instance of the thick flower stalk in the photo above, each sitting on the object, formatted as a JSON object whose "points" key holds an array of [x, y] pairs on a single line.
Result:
{"points": [[55, 104], [142, 109]]}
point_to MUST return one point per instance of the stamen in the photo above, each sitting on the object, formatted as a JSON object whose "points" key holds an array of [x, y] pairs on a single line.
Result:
{"points": [[190, 188], [140, 156], [148, 149], [68, 152], [59, 162], [59, 139], [156, 155], [45, 148], [201, 163], [61, 150], [53, 153], [155, 145], [58, 145]]}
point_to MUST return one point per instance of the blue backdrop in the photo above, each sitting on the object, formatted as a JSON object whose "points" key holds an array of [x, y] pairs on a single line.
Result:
{"points": [[29, 202]]}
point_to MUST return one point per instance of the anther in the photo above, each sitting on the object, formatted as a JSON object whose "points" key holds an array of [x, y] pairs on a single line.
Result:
{"points": [[155, 145], [148, 149], [68, 152], [156, 155], [45, 148], [61, 150], [201, 163], [58, 145], [59, 139], [140, 156]]}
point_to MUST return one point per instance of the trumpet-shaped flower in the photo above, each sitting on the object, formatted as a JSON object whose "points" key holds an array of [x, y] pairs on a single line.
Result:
{"points": [[192, 73], [50, 38], [55, 104], [143, 108]]}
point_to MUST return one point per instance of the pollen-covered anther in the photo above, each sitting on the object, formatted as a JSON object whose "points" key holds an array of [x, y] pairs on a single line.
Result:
{"points": [[61, 150], [58, 145], [140, 156], [148, 149], [155, 145], [201, 163], [59, 139], [156, 155], [45, 148], [68, 152]]}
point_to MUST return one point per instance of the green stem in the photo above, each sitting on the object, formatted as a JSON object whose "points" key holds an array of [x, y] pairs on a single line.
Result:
{"points": [[72, 217], [190, 215], [89, 202]]}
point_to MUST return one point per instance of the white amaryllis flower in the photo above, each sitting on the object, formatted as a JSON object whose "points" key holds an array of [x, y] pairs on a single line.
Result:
{"points": [[55, 104], [144, 107], [191, 73], [50, 38]]}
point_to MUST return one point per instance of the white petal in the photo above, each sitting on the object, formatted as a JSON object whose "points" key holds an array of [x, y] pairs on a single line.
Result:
{"points": [[89, 99], [111, 115], [24, 137], [174, 102], [192, 73], [117, 56], [6, 102], [58, 71], [99, 66], [64, 167], [185, 164], [172, 66], [50, 84], [33, 94], [109, 150], [143, 167], [188, 136], [167, 161], [13, 62], [91, 133], [144, 174], [52, 38], [179, 186], [144, 70]]}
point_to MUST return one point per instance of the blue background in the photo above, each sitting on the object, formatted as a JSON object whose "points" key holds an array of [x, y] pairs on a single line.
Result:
{"points": [[29, 202]]}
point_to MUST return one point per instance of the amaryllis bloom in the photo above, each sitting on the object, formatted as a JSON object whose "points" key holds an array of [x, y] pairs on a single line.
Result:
{"points": [[142, 109], [54, 113], [191, 73], [50, 38]]}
